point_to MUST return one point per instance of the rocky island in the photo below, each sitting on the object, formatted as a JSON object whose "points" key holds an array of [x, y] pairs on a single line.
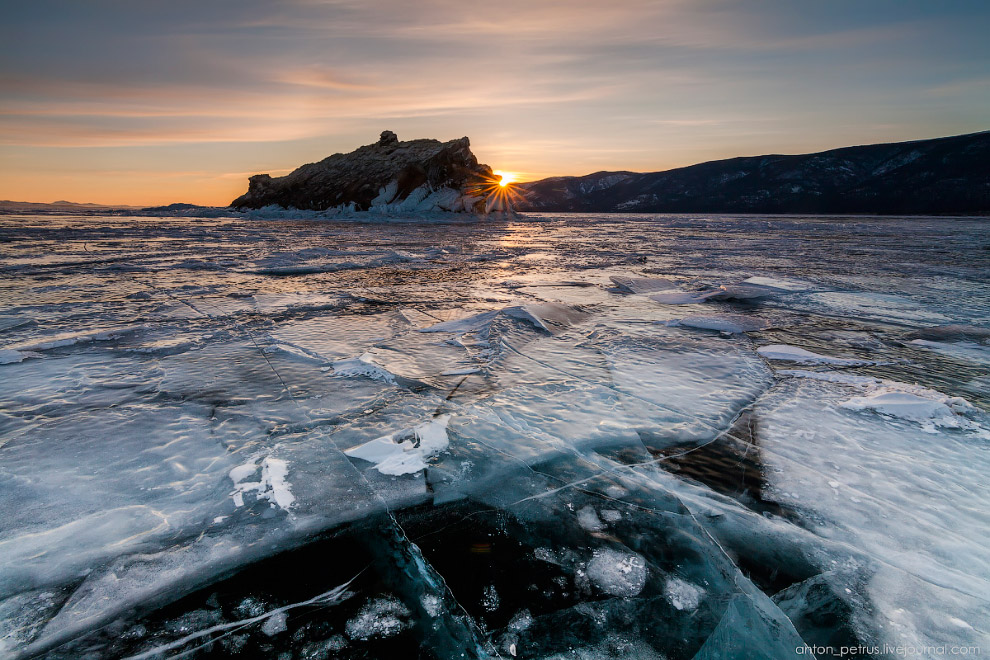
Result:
{"points": [[388, 176]]}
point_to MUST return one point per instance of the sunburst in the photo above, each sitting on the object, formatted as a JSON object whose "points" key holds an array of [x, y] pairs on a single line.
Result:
{"points": [[505, 177], [499, 192]]}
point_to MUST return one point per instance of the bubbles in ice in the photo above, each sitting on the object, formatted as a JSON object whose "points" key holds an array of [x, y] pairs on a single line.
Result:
{"points": [[683, 595], [617, 573], [521, 621], [377, 619], [322, 649], [193, 621], [489, 598], [274, 624], [431, 603], [251, 607], [589, 520], [613, 646], [23, 616]]}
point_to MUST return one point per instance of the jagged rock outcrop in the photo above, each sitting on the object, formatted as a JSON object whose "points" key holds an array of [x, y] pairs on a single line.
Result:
{"points": [[388, 176], [939, 176]]}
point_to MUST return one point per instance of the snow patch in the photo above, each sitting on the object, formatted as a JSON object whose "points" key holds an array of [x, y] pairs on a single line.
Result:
{"points": [[927, 407], [406, 451], [272, 484]]}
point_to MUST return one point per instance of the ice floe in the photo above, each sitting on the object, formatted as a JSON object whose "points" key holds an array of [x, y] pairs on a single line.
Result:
{"points": [[363, 365], [642, 284], [725, 292], [10, 356], [729, 323], [787, 353]]}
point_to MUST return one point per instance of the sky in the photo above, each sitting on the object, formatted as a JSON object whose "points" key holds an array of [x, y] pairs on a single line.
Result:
{"points": [[151, 102]]}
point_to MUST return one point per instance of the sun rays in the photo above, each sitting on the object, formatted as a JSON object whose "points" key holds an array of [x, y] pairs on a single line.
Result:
{"points": [[499, 192], [506, 177]]}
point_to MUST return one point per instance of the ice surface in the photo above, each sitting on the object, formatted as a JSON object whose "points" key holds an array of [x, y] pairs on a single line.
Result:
{"points": [[313, 436], [863, 475]]}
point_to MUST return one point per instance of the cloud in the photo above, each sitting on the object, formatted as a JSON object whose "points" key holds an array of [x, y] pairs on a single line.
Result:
{"points": [[547, 85]]}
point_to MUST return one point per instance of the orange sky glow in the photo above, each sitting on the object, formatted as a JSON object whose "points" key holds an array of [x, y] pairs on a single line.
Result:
{"points": [[153, 103]]}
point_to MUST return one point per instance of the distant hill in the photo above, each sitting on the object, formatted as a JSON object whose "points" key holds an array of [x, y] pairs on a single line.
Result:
{"points": [[942, 176], [60, 206]]}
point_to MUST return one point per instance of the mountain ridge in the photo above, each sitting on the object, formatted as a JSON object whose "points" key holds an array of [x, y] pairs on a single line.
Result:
{"points": [[937, 176]]}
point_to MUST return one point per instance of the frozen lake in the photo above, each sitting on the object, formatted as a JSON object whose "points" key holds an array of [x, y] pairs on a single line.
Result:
{"points": [[555, 437]]}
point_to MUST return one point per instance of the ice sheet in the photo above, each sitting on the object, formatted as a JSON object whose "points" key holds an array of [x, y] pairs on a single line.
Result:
{"points": [[295, 435]]}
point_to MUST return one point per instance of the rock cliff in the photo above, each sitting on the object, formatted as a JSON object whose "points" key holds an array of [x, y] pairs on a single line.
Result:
{"points": [[389, 176]]}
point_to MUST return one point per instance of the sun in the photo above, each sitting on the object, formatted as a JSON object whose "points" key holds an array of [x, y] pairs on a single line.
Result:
{"points": [[507, 177], [499, 192]]}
